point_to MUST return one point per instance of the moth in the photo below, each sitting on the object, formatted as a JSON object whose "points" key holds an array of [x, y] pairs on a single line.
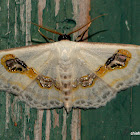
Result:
{"points": [[69, 74]]}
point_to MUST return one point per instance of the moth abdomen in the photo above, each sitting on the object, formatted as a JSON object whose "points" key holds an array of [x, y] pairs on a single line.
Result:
{"points": [[66, 82]]}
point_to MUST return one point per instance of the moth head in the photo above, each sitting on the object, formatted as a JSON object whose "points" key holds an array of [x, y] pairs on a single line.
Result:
{"points": [[64, 37]]}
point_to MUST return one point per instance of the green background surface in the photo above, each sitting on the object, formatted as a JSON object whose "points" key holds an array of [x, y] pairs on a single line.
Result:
{"points": [[120, 116]]}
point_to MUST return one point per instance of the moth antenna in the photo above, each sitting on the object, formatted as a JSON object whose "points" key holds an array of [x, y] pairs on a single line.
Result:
{"points": [[49, 30], [45, 37], [80, 37], [86, 24]]}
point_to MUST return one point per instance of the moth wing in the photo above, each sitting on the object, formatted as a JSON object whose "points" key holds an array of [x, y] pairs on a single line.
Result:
{"points": [[39, 60], [96, 59]]}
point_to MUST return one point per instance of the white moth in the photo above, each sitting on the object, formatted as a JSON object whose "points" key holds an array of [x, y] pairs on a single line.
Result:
{"points": [[69, 74]]}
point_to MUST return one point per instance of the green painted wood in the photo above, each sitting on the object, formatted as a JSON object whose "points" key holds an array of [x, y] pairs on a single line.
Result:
{"points": [[120, 116], [114, 121]]}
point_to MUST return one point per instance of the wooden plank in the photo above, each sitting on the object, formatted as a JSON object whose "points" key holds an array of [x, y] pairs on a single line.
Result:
{"points": [[114, 121]]}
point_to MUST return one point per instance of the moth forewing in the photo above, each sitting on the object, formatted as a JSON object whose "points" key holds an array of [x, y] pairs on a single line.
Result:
{"points": [[69, 74]]}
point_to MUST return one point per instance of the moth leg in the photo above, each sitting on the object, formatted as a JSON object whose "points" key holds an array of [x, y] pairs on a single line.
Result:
{"points": [[45, 37], [80, 37]]}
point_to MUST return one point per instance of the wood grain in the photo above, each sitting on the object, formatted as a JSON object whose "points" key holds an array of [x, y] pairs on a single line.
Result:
{"points": [[114, 121]]}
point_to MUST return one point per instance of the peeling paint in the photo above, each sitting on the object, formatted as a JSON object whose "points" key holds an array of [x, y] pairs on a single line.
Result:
{"points": [[27, 111], [7, 33], [15, 36], [57, 6], [79, 124], [15, 114], [64, 127], [76, 125], [48, 124], [28, 18], [56, 119], [41, 6], [127, 26], [38, 125], [7, 110], [22, 11], [28, 138], [24, 127], [8, 24]]}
